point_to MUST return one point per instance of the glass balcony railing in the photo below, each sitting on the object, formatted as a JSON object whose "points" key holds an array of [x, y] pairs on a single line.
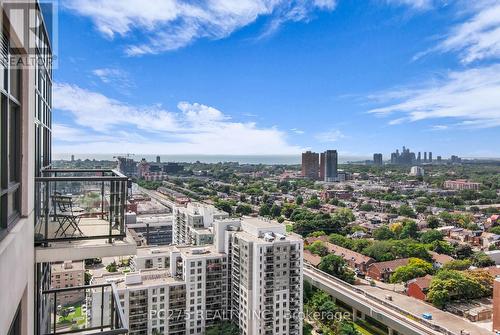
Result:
{"points": [[80, 205], [92, 309]]}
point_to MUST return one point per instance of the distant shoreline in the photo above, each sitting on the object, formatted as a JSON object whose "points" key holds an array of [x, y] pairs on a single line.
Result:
{"points": [[242, 159], [211, 159]]}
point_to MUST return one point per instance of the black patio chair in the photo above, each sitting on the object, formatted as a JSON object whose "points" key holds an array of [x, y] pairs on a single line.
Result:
{"points": [[66, 214]]}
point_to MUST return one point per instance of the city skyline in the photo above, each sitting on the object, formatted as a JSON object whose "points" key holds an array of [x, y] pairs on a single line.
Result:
{"points": [[213, 95], [150, 244]]}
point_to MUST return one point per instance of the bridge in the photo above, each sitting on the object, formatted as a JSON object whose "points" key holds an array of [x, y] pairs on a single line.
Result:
{"points": [[162, 199], [364, 304]]}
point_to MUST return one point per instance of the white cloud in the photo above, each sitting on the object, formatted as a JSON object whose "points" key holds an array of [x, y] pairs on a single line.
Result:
{"points": [[106, 125], [478, 37], [330, 136], [438, 127], [67, 133], [471, 97], [298, 131], [112, 76], [100, 113], [172, 24], [415, 4]]}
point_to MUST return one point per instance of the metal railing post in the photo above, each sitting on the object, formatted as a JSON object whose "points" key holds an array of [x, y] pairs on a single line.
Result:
{"points": [[112, 199], [55, 312], [102, 308], [123, 203], [112, 309], [102, 200], [46, 210]]}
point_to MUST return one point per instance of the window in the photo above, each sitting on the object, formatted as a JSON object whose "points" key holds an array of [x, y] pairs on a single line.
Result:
{"points": [[10, 141]]}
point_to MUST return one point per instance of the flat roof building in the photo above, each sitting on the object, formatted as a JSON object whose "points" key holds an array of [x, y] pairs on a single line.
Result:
{"points": [[310, 165]]}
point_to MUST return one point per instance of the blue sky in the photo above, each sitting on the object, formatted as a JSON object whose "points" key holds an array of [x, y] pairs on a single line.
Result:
{"points": [[278, 77]]}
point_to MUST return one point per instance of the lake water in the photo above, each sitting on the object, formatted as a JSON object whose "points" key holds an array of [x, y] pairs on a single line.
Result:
{"points": [[242, 159]]}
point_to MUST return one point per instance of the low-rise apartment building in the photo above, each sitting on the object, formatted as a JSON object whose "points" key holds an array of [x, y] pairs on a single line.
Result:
{"points": [[461, 184], [68, 274]]}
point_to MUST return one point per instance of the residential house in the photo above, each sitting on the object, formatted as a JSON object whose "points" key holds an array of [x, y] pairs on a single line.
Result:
{"points": [[311, 258], [354, 259], [489, 240], [438, 260], [383, 270], [418, 287]]}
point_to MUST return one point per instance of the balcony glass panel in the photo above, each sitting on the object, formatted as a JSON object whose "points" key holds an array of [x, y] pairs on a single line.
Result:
{"points": [[81, 204], [92, 309]]}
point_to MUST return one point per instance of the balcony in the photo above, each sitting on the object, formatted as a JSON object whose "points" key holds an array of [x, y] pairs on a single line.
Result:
{"points": [[81, 214], [90, 310]]}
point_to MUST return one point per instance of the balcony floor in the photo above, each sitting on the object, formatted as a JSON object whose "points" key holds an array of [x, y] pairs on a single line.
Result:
{"points": [[88, 226], [84, 248]]}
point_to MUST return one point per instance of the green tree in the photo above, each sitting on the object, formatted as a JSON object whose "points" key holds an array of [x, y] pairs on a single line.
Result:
{"points": [[265, 210], [313, 203], [288, 209], [420, 208], [244, 209], [317, 234], [336, 266], [275, 211], [481, 260], [458, 264], [344, 216], [443, 247], [347, 328], [112, 267], [432, 222], [88, 277], [366, 207], [223, 328], [430, 236], [405, 210], [446, 217], [463, 251], [383, 233], [224, 205], [318, 248], [299, 200], [409, 230], [415, 268], [448, 285]]}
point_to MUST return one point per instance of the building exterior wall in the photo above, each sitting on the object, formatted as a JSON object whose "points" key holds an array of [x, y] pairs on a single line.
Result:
{"points": [[461, 185], [68, 274], [310, 165], [496, 305], [331, 165], [413, 290], [17, 277], [267, 286]]}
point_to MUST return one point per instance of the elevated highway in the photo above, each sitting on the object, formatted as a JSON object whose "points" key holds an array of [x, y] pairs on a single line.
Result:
{"points": [[397, 320]]}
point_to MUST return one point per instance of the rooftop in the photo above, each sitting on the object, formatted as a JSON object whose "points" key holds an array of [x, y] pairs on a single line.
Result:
{"points": [[143, 278], [391, 265], [155, 251], [190, 252], [422, 282], [68, 266]]}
